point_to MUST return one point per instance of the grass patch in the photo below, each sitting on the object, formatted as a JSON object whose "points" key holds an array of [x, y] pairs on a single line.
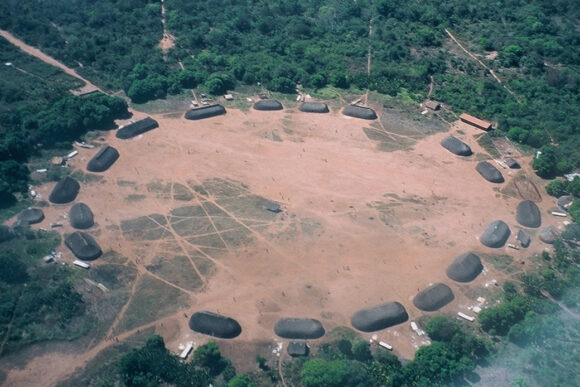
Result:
{"points": [[177, 270], [105, 307], [134, 198], [153, 299], [168, 105], [86, 177], [485, 141], [502, 262], [326, 93]]}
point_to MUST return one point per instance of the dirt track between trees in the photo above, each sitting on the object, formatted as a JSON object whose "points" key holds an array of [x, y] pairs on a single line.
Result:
{"points": [[45, 58]]}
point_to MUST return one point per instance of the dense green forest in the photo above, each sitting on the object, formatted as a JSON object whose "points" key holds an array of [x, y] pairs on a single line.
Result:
{"points": [[38, 113], [37, 303]]}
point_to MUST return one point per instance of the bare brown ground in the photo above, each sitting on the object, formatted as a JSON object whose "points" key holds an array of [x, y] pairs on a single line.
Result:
{"points": [[389, 222]]}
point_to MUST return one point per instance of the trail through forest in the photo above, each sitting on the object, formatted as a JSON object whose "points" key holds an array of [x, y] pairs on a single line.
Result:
{"points": [[48, 59], [482, 65]]}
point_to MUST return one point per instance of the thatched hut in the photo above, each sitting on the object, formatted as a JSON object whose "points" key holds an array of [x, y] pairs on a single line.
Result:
{"points": [[359, 112], [512, 163], [205, 112], [489, 172], [136, 128], [549, 234], [528, 214], [433, 297], [30, 215], [376, 318], [314, 107], [81, 217], [523, 238], [215, 325], [103, 160], [565, 201], [496, 234], [465, 268], [299, 328], [456, 146], [298, 348], [268, 105], [83, 246], [65, 191]]}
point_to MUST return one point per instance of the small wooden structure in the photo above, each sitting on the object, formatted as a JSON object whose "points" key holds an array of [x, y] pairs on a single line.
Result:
{"points": [[433, 105]]}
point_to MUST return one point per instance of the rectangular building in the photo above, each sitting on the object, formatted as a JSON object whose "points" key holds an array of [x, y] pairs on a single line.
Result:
{"points": [[471, 120]]}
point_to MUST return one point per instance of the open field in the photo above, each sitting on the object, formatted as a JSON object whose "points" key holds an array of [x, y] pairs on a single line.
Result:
{"points": [[364, 221]]}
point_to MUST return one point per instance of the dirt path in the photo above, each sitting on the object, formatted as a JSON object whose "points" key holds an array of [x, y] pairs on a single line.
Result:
{"points": [[168, 40], [561, 305], [369, 55], [482, 65], [45, 58]]}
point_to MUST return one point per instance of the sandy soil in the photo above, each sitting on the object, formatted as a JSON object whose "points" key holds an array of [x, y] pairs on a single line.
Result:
{"points": [[383, 225]]}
